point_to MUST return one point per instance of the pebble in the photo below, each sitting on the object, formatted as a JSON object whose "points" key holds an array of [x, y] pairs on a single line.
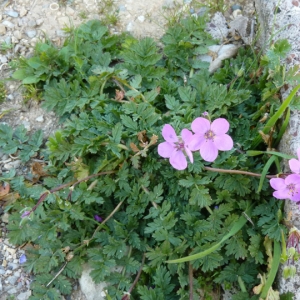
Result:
{"points": [[11, 13], [8, 24], [31, 33], [40, 119], [23, 11], [39, 22], [17, 34], [2, 29], [141, 19]]}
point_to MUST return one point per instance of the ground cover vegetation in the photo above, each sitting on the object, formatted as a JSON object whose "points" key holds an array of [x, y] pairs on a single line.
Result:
{"points": [[105, 196]]}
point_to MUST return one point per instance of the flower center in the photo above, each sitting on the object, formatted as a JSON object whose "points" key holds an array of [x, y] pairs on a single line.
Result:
{"points": [[209, 135], [179, 145], [292, 189]]}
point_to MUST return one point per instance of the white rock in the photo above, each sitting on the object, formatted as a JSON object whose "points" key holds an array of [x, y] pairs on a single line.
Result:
{"points": [[24, 296], [39, 22], [70, 11], [129, 27], [2, 29], [8, 24], [40, 119], [64, 21], [141, 19], [91, 290], [31, 33], [4, 218], [3, 59], [11, 13], [17, 34], [23, 11]]}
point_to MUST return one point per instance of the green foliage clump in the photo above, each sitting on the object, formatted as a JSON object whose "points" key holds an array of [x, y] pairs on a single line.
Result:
{"points": [[114, 94]]}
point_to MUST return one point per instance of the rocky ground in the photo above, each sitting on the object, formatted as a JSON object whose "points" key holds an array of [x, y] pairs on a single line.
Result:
{"points": [[22, 24]]}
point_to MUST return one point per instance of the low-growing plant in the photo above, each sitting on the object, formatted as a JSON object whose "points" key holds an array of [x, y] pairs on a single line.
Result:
{"points": [[110, 196]]}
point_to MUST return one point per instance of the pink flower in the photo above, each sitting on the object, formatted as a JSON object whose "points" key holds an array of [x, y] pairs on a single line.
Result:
{"points": [[295, 164], [288, 188], [175, 148], [209, 138]]}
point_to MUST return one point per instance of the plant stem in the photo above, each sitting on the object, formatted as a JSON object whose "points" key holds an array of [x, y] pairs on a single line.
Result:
{"points": [[237, 172], [191, 281], [127, 296]]}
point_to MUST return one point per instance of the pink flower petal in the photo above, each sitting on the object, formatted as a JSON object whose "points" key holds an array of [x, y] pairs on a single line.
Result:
{"points": [[165, 149], [208, 151], [220, 126], [178, 160], [296, 196], [294, 165], [281, 194], [200, 125], [292, 179], [169, 134], [277, 183], [189, 153], [223, 142], [196, 142], [186, 135]]}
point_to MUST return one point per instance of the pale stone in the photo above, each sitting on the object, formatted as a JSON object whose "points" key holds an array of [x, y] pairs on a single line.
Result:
{"points": [[64, 21], [23, 11], [2, 29], [17, 34], [91, 290], [141, 19]]}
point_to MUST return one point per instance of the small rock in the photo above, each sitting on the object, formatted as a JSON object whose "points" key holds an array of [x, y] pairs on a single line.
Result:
{"points": [[12, 279], [4, 263], [39, 22], [61, 33], [17, 34], [8, 24], [70, 11], [4, 218], [23, 12], [31, 33], [1, 287], [11, 13], [129, 27], [2, 29], [24, 296], [63, 21], [141, 19], [122, 8], [31, 23], [13, 266], [11, 291], [3, 59], [14, 164], [40, 119]]}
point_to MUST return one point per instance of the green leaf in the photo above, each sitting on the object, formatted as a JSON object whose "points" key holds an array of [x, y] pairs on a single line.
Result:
{"points": [[128, 122], [117, 133], [235, 228], [30, 80]]}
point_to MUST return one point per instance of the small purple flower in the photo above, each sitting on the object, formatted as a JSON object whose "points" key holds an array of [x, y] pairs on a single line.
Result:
{"points": [[98, 218], [26, 214], [176, 148], [209, 138], [295, 163], [205, 114], [288, 188], [22, 259]]}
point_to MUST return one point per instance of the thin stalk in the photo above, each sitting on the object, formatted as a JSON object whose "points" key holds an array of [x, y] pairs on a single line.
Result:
{"points": [[237, 172], [191, 277]]}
